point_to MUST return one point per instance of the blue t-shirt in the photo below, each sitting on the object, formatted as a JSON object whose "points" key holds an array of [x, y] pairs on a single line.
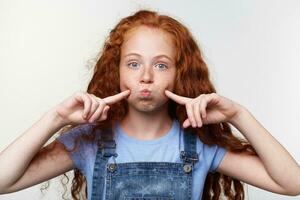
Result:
{"points": [[163, 149]]}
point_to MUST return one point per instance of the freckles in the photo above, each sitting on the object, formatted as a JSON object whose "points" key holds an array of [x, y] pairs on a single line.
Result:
{"points": [[127, 84], [169, 83]]}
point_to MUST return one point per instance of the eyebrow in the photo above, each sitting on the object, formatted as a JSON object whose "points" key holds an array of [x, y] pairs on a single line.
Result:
{"points": [[158, 56]]}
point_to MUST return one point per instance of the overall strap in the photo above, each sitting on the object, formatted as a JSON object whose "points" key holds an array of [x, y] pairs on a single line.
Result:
{"points": [[189, 155], [106, 149]]}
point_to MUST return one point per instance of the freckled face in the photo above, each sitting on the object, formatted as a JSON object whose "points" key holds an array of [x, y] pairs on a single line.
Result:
{"points": [[147, 62]]}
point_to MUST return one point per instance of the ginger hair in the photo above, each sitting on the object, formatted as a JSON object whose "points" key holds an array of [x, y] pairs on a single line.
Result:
{"points": [[192, 79]]}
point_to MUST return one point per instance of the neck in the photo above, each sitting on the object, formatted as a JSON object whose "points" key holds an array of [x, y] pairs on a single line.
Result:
{"points": [[145, 126]]}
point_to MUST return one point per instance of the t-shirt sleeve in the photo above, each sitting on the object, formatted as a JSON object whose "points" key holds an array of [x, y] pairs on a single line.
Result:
{"points": [[215, 154], [218, 157], [68, 139]]}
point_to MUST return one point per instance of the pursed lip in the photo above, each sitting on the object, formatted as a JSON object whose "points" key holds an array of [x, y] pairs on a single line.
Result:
{"points": [[145, 90], [145, 93]]}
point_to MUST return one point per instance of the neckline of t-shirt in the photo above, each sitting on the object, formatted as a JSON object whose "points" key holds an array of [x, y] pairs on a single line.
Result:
{"points": [[171, 133]]}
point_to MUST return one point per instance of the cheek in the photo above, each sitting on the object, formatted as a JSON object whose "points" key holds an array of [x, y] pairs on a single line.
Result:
{"points": [[123, 85], [126, 83], [168, 83]]}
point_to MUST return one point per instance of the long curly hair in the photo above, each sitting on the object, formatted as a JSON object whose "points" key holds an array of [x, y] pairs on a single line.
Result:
{"points": [[192, 79]]}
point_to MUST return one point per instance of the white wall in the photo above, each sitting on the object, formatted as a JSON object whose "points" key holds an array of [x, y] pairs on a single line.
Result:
{"points": [[252, 49]]}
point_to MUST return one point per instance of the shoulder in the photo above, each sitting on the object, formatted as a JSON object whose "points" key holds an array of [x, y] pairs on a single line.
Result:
{"points": [[82, 129], [81, 134], [211, 155], [80, 148]]}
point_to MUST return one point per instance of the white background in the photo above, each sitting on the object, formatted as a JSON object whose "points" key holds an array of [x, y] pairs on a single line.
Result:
{"points": [[252, 49]]}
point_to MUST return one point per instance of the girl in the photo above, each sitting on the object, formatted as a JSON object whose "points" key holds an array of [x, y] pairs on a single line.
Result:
{"points": [[150, 126]]}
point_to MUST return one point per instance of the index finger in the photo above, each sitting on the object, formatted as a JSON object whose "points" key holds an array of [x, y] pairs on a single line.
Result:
{"points": [[115, 98], [179, 99]]}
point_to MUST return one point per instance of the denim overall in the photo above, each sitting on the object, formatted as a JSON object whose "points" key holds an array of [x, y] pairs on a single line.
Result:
{"points": [[143, 180]]}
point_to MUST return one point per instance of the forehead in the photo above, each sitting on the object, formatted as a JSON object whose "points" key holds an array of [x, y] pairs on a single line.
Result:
{"points": [[147, 40]]}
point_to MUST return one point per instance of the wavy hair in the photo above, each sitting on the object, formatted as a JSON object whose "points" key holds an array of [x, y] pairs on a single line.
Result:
{"points": [[192, 79]]}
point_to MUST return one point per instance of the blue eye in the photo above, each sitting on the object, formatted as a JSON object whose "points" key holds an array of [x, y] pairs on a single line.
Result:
{"points": [[134, 66], [165, 66]]}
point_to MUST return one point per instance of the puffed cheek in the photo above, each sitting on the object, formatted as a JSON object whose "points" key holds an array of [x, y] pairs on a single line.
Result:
{"points": [[124, 85], [169, 87]]}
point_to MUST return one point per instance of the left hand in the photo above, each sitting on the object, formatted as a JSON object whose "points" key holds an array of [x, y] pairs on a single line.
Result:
{"points": [[206, 108]]}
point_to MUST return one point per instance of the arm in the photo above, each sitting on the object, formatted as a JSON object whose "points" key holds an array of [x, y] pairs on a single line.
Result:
{"points": [[274, 169], [23, 163]]}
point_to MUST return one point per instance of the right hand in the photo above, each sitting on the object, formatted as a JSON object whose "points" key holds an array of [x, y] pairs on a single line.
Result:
{"points": [[83, 107]]}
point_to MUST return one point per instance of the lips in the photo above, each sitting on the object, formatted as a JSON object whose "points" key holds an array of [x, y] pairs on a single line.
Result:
{"points": [[145, 92]]}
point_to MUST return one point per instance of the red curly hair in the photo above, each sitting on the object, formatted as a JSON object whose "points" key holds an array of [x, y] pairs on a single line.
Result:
{"points": [[192, 79]]}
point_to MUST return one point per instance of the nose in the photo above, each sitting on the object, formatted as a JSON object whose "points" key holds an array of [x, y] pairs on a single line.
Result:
{"points": [[147, 75]]}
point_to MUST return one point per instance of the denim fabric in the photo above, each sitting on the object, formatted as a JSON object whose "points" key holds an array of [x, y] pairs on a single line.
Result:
{"points": [[164, 149], [143, 180], [149, 180]]}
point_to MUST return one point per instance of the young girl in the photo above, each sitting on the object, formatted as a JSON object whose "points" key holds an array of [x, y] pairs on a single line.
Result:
{"points": [[150, 126]]}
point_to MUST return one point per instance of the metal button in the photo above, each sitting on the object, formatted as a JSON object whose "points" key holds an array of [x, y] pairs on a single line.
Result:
{"points": [[187, 168], [112, 167]]}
